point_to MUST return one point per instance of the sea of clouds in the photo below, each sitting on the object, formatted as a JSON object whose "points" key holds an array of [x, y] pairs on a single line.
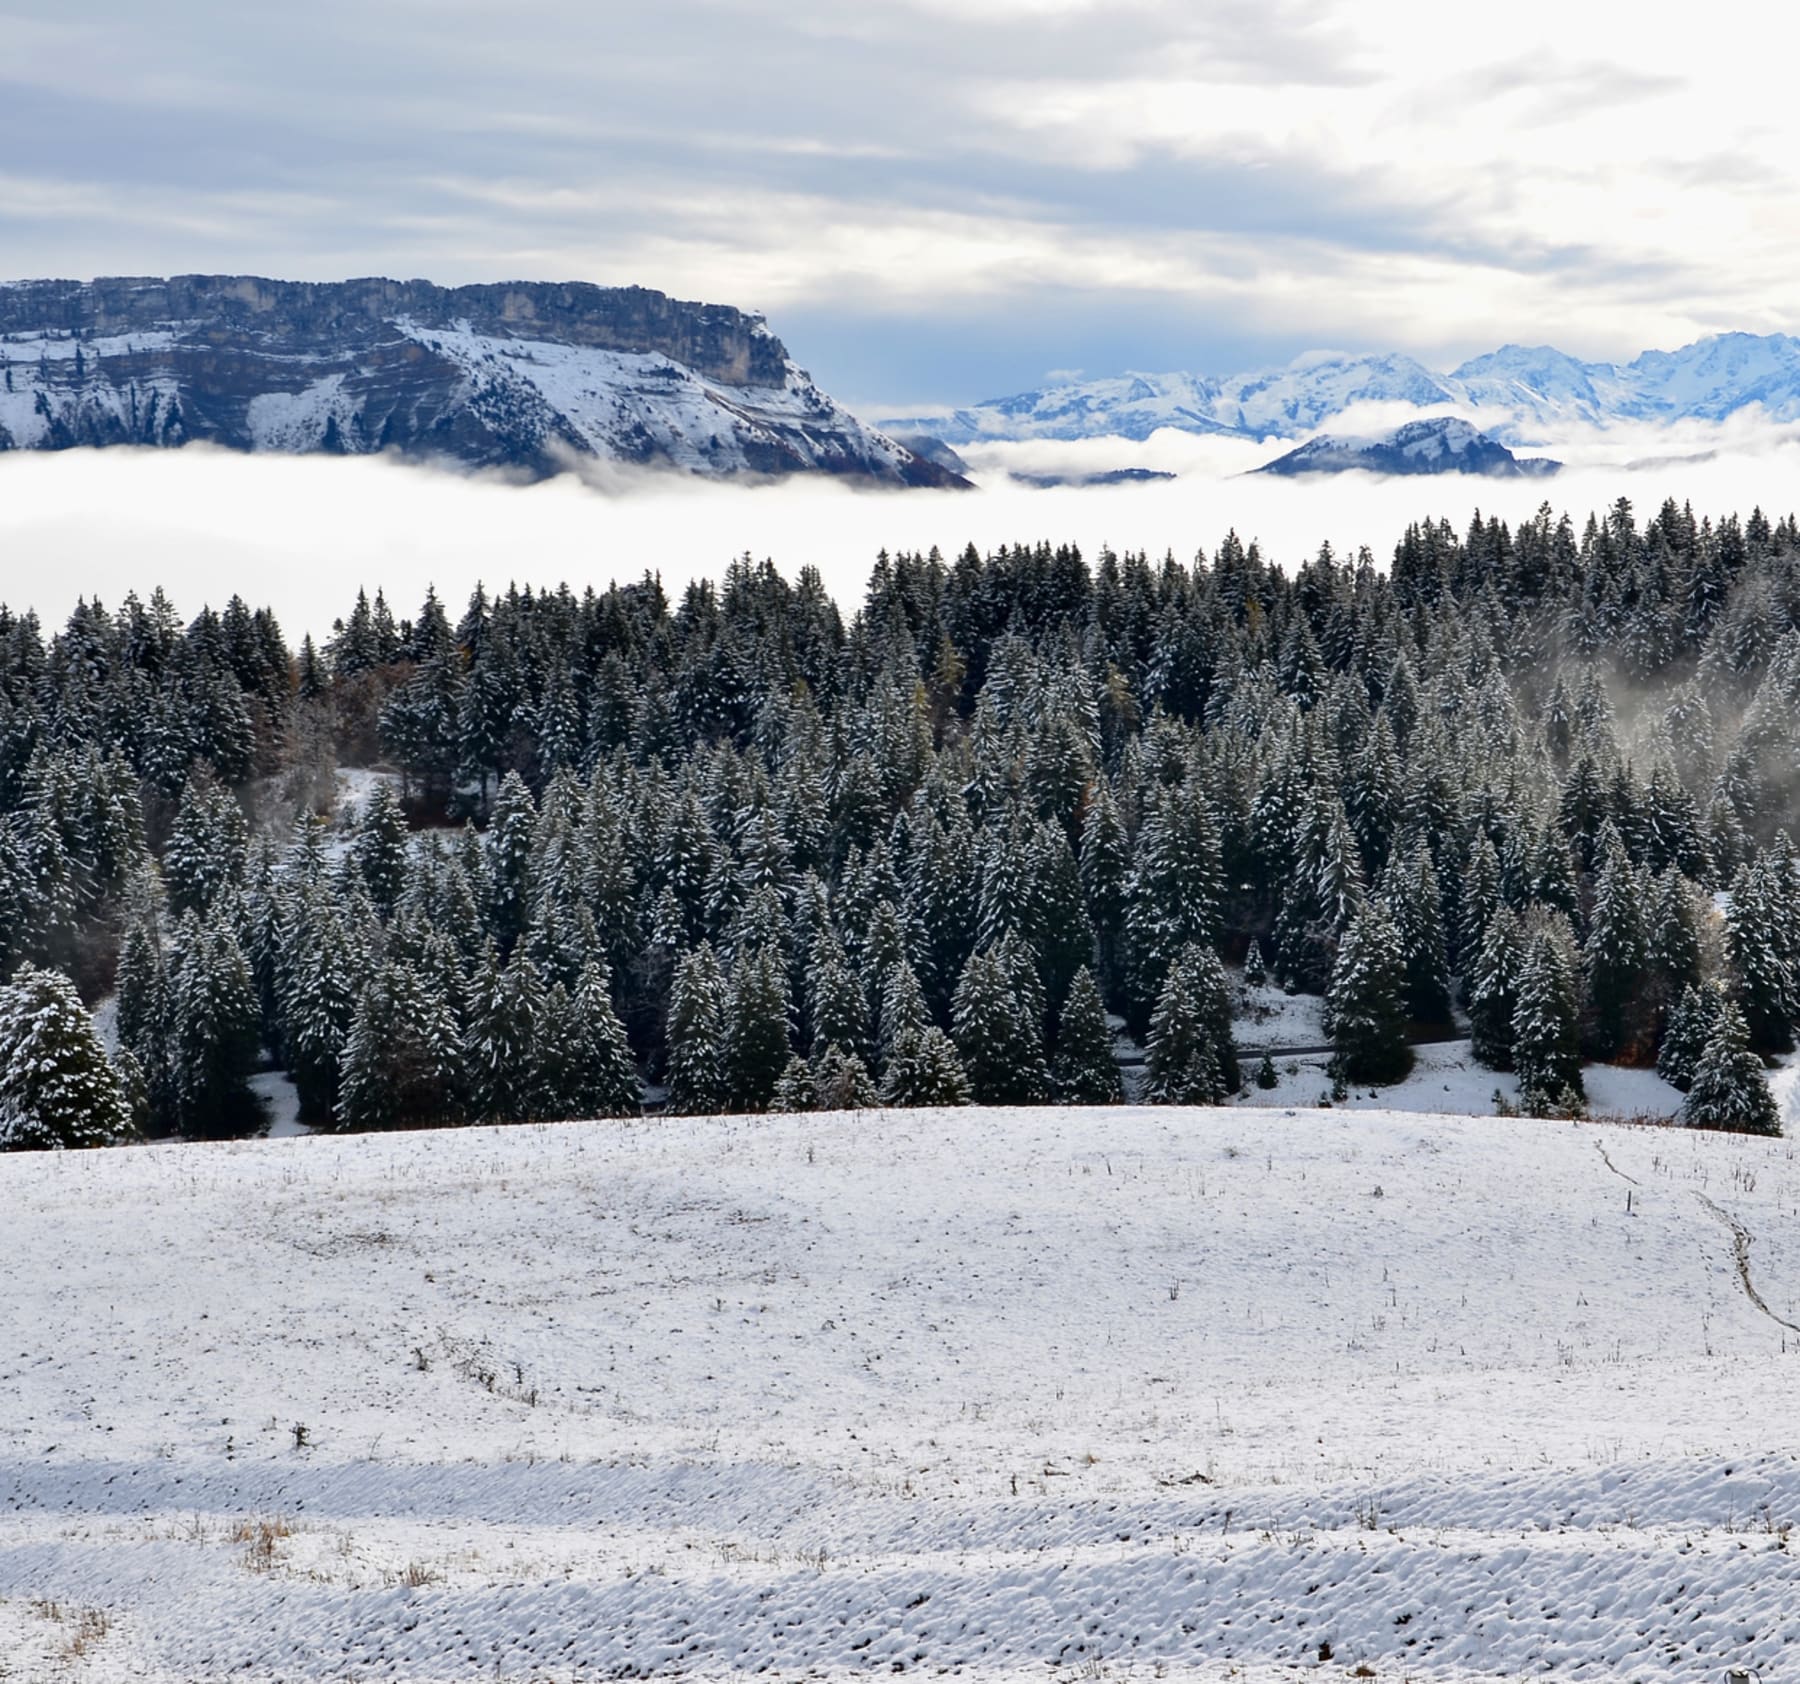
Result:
{"points": [[301, 535]]}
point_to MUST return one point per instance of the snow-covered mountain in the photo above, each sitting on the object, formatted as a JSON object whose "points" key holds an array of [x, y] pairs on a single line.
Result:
{"points": [[1440, 444], [525, 376], [1514, 394]]}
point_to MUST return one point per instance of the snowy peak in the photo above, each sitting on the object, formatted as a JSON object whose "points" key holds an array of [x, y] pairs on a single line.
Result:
{"points": [[1439, 445], [1513, 393], [522, 376]]}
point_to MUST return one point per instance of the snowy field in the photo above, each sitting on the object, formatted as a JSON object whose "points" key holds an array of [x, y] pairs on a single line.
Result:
{"points": [[1080, 1394]]}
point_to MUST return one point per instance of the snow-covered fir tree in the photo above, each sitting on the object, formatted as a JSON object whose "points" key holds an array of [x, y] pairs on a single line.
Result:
{"points": [[1365, 1010], [1729, 1090], [57, 1087]]}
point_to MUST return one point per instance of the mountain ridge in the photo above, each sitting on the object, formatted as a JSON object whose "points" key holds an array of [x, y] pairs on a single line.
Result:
{"points": [[529, 376], [1513, 393]]}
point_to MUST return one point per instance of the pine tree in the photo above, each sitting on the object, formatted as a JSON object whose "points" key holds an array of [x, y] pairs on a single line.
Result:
{"points": [[57, 1088], [756, 1041], [1494, 989], [1086, 1071], [1256, 970], [1547, 1021], [1365, 1009], [1729, 1089], [903, 1012]]}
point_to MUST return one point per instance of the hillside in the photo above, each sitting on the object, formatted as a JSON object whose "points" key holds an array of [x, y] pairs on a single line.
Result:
{"points": [[1112, 1391], [529, 377]]}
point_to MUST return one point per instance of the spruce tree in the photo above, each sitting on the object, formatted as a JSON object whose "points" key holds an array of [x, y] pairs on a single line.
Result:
{"points": [[756, 1040], [1416, 908], [998, 1033], [1691, 1024], [504, 1039], [1765, 982], [57, 1089], [925, 1070], [1729, 1089], [402, 1063], [696, 1035], [1494, 989], [1190, 1054], [1365, 1009], [213, 1029], [1615, 950], [1086, 1071]]}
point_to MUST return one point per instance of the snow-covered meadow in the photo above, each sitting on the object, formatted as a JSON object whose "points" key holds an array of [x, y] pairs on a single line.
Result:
{"points": [[1103, 1394]]}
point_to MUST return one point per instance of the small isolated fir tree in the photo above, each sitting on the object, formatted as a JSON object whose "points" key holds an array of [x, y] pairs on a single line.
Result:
{"points": [[1494, 989], [1691, 1024], [57, 1088], [1365, 1010], [842, 1082], [1266, 1076], [1547, 1021], [1190, 1054], [924, 1069], [795, 1091], [1086, 1071], [1256, 970], [696, 1034], [1729, 1091]]}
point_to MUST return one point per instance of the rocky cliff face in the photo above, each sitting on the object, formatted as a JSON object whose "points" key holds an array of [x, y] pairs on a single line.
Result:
{"points": [[527, 376]]}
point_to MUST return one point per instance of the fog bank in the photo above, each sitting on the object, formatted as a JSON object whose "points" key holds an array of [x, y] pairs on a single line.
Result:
{"points": [[302, 534]]}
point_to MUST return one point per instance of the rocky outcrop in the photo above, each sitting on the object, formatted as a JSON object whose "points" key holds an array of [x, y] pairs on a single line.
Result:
{"points": [[528, 376]]}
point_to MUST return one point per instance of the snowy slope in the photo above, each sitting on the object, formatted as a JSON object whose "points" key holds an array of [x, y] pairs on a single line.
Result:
{"points": [[1134, 1393], [1516, 393], [1439, 445]]}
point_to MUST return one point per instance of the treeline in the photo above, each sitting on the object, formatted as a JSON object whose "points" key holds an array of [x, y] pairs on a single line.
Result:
{"points": [[756, 854]]}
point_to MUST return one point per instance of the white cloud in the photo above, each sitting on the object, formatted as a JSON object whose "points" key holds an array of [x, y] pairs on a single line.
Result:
{"points": [[303, 534]]}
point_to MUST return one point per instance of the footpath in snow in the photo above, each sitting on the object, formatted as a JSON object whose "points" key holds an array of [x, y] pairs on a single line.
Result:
{"points": [[1126, 1393]]}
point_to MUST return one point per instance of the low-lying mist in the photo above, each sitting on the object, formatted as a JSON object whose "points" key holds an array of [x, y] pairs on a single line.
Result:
{"points": [[302, 534]]}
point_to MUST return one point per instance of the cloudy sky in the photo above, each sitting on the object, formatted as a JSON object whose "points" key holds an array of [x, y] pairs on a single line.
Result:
{"points": [[942, 200]]}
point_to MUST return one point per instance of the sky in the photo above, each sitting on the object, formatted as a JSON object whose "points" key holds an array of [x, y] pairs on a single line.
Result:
{"points": [[937, 201]]}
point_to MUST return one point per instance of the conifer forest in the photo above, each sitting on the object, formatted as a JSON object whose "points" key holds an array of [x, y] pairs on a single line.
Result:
{"points": [[755, 849]]}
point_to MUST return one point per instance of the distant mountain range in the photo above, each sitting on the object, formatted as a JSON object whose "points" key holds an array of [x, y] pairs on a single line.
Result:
{"points": [[1439, 444], [526, 376], [1517, 394]]}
